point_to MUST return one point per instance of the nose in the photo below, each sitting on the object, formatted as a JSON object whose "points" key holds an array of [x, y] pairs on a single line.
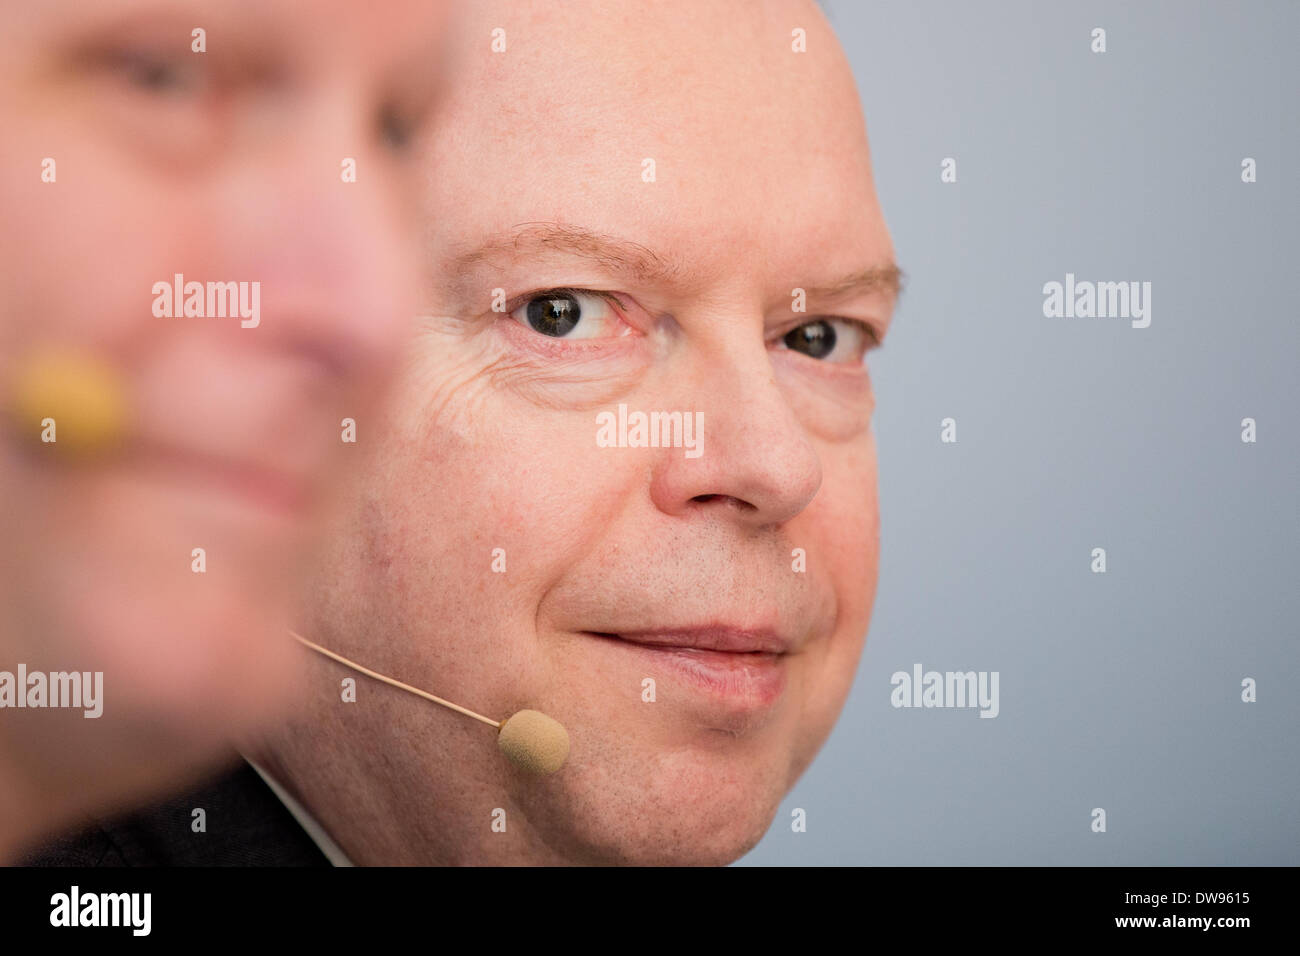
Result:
{"points": [[335, 255], [756, 463]]}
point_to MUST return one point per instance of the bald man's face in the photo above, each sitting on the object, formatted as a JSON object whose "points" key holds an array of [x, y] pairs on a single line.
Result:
{"points": [[673, 212]]}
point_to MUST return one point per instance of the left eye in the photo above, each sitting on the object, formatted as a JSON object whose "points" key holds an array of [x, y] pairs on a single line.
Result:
{"points": [[157, 74], [571, 314], [834, 340]]}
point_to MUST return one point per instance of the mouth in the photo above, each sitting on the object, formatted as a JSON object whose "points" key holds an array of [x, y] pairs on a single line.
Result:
{"points": [[263, 486], [744, 669]]}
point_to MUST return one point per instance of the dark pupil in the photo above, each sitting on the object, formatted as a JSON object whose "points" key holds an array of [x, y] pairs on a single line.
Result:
{"points": [[553, 314], [816, 339]]}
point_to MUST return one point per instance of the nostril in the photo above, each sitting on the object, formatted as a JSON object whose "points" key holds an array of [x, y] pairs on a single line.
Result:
{"points": [[729, 499]]}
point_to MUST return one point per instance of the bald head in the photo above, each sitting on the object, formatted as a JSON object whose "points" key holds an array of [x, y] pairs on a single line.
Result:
{"points": [[580, 97]]}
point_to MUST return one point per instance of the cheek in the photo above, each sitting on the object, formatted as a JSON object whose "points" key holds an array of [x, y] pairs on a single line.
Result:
{"points": [[82, 252], [490, 500], [834, 408], [511, 472], [846, 511], [845, 516]]}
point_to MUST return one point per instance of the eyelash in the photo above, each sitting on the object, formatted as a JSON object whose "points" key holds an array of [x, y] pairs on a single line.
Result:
{"points": [[609, 297]]}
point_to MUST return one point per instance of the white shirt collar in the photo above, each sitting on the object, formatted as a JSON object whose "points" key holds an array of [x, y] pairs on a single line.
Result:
{"points": [[332, 851]]}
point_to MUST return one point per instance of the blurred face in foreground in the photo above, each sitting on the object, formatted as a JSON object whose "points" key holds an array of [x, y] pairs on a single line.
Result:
{"points": [[150, 144], [693, 612]]}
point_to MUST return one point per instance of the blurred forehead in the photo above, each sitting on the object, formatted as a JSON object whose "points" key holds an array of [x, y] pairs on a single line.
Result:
{"points": [[339, 29], [763, 146]]}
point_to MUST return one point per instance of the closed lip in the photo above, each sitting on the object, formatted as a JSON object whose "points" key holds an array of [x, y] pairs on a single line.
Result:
{"points": [[739, 671], [732, 640], [265, 483]]}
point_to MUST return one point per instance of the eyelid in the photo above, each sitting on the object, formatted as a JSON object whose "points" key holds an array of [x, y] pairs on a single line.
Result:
{"points": [[610, 297], [874, 340]]}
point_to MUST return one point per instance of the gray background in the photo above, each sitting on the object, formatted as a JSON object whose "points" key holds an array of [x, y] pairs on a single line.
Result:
{"points": [[1119, 690]]}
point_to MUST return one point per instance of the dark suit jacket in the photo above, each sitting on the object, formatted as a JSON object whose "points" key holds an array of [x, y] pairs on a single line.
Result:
{"points": [[247, 825]]}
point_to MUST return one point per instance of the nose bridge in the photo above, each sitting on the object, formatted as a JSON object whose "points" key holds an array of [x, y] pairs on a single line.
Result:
{"points": [[335, 265], [755, 456]]}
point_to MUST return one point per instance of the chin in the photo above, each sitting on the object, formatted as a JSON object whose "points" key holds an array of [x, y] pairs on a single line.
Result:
{"points": [[718, 839], [705, 811]]}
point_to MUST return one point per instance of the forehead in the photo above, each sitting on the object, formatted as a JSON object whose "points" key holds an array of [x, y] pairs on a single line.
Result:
{"points": [[337, 29], [756, 150]]}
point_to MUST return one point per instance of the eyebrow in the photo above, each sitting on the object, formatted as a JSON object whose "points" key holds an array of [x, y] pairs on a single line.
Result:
{"points": [[623, 257], [531, 239], [886, 279]]}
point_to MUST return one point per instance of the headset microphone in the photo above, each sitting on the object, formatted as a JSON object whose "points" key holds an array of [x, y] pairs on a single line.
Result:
{"points": [[76, 402], [529, 739], [84, 397]]}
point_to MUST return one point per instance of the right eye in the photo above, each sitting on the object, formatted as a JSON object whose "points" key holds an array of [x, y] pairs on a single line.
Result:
{"points": [[559, 312]]}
